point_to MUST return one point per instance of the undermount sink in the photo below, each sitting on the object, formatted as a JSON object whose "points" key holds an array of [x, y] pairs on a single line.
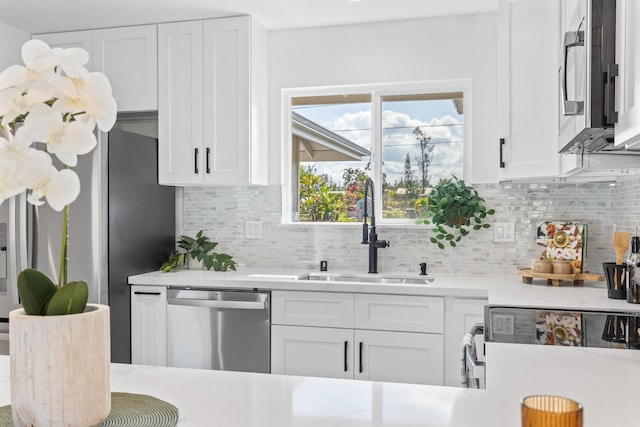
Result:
{"points": [[373, 278]]}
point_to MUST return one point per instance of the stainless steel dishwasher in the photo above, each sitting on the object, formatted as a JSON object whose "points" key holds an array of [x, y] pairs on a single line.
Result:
{"points": [[219, 329]]}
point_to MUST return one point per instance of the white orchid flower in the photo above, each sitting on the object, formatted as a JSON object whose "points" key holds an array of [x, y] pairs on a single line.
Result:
{"points": [[88, 93], [10, 162], [72, 60], [60, 188], [15, 103], [66, 140], [38, 58]]}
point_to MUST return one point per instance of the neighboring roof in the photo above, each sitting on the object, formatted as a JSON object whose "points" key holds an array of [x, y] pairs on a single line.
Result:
{"points": [[318, 144]]}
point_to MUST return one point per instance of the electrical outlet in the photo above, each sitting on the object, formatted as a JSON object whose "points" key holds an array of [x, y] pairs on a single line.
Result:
{"points": [[503, 324], [504, 232], [253, 229]]}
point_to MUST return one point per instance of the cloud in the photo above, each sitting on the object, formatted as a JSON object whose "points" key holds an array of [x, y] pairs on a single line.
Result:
{"points": [[398, 139]]}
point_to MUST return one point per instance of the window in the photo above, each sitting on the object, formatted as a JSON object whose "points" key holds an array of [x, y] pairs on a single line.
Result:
{"points": [[405, 137]]}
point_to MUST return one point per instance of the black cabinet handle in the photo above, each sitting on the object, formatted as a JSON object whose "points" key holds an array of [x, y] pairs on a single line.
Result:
{"points": [[360, 356], [208, 154], [195, 161], [346, 368], [146, 293], [501, 146]]}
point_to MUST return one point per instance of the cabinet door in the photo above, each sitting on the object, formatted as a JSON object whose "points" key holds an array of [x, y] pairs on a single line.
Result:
{"points": [[528, 74], [399, 357], [399, 313], [313, 352], [83, 39], [149, 325], [328, 309], [128, 57], [466, 313], [627, 130], [180, 119], [226, 101]]}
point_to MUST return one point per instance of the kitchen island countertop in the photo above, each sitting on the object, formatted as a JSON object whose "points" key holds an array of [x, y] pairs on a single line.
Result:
{"points": [[499, 290], [238, 399]]}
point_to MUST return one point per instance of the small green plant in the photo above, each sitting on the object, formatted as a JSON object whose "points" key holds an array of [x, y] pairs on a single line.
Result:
{"points": [[200, 248], [454, 209]]}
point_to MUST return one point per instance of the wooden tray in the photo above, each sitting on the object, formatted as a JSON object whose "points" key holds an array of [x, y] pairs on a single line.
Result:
{"points": [[557, 279]]}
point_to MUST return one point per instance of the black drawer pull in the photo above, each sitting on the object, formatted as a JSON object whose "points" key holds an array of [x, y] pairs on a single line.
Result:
{"points": [[346, 368], [146, 293], [360, 356]]}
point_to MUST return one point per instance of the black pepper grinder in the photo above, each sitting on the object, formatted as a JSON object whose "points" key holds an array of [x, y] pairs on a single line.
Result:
{"points": [[635, 243], [633, 265]]}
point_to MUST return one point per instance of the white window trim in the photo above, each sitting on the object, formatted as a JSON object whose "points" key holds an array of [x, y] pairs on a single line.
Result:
{"points": [[377, 91]]}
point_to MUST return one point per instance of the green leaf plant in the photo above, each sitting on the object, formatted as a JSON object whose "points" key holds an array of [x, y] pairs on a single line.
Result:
{"points": [[40, 296], [453, 208], [199, 248]]}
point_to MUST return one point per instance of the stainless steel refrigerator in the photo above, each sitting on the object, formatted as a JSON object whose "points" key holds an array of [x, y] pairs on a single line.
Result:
{"points": [[122, 223]]}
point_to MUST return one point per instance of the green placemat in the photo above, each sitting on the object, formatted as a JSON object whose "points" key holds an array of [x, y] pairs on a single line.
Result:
{"points": [[127, 410]]}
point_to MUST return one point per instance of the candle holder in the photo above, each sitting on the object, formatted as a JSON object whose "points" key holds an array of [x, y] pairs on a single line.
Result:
{"points": [[551, 411]]}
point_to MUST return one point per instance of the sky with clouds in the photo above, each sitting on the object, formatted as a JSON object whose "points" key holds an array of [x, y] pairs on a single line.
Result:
{"points": [[436, 118]]}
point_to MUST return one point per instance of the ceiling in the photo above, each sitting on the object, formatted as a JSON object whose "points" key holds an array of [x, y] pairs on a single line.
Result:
{"points": [[43, 16]]}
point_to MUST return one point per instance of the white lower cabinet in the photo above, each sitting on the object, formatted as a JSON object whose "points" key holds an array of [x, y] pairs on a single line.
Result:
{"points": [[361, 336], [463, 313], [149, 325], [312, 352]]}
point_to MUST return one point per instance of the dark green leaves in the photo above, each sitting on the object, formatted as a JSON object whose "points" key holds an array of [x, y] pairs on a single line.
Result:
{"points": [[35, 289], [69, 299], [201, 248], [40, 296], [454, 209]]}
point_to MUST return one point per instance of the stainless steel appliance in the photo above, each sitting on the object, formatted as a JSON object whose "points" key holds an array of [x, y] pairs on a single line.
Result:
{"points": [[219, 329], [587, 78], [122, 223], [537, 326], [472, 374]]}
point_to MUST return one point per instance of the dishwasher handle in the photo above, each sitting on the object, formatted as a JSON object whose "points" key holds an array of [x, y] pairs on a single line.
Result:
{"points": [[260, 303]]}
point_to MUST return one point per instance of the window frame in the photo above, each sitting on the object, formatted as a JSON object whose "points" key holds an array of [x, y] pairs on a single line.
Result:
{"points": [[377, 92]]}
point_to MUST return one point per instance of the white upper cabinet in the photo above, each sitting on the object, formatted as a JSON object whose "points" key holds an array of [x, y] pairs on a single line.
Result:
{"points": [[83, 39], [528, 48], [127, 56], [212, 102], [627, 130]]}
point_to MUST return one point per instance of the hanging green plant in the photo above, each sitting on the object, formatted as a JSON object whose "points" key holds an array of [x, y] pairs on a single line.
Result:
{"points": [[454, 209]]}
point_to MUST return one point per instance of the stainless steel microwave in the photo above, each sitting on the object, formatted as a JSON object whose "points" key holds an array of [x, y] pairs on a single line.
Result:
{"points": [[587, 78]]}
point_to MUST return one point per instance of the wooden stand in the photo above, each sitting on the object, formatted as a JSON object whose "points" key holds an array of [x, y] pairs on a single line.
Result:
{"points": [[557, 279]]}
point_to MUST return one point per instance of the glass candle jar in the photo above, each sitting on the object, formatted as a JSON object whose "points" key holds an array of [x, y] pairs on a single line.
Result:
{"points": [[551, 411]]}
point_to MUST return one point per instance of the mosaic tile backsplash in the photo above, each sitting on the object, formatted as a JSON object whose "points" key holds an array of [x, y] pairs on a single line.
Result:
{"points": [[604, 206]]}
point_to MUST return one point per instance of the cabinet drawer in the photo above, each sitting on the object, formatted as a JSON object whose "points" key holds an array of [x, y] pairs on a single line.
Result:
{"points": [[312, 309], [399, 313]]}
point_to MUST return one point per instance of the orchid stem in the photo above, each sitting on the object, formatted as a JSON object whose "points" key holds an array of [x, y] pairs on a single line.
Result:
{"points": [[62, 272]]}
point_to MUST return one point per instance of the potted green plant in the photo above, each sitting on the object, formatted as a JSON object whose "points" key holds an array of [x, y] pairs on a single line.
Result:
{"points": [[54, 102], [454, 209], [199, 248]]}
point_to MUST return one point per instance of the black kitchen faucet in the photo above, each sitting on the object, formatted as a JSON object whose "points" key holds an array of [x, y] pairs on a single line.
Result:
{"points": [[369, 233]]}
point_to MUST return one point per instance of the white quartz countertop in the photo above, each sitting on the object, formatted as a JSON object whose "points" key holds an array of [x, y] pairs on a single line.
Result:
{"points": [[499, 290], [235, 399]]}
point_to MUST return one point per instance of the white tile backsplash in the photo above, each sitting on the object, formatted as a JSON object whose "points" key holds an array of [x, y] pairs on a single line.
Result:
{"points": [[222, 212]]}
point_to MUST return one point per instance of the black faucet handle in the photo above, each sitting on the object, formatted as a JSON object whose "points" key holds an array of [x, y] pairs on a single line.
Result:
{"points": [[423, 268], [382, 244], [365, 234]]}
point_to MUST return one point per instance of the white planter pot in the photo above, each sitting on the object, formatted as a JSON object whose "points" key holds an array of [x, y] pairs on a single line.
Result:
{"points": [[194, 264], [60, 368]]}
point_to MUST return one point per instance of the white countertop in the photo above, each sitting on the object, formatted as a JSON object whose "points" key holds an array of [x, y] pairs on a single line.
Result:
{"points": [[234, 399], [500, 290]]}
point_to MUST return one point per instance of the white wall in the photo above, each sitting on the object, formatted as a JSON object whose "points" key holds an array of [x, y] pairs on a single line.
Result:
{"points": [[11, 40], [440, 48]]}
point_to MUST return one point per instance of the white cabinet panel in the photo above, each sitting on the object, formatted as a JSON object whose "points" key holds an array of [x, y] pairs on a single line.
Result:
{"points": [[128, 56], [312, 309], [149, 325], [627, 130], [399, 357], [180, 107], [399, 313], [465, 314], [83, 39], [528, 74], [315, 352]]}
